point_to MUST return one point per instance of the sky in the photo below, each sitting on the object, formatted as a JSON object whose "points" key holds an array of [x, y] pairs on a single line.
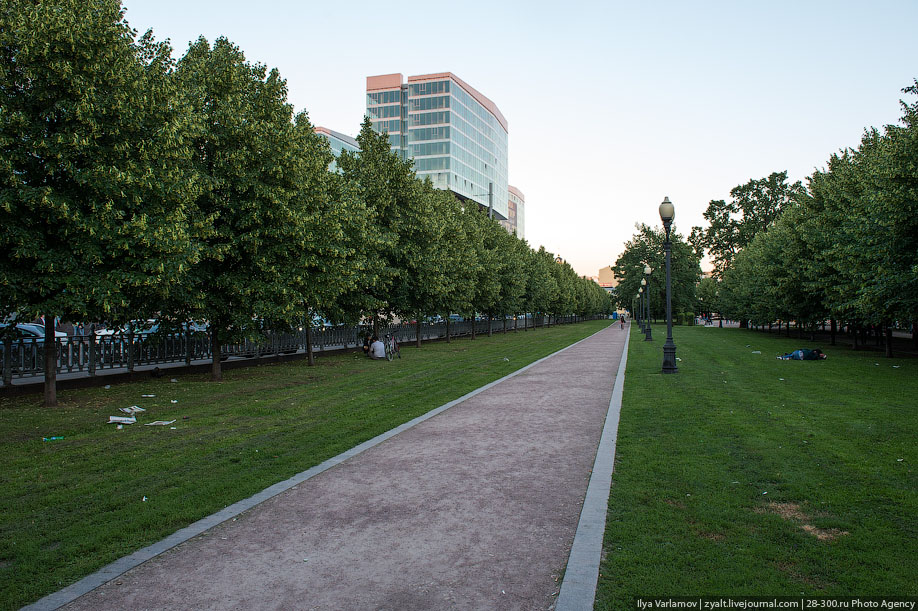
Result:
{"points": [[611, 106]]}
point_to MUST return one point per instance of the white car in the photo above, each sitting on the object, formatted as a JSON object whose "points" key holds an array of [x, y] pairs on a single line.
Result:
{"points": [[36, 330]]}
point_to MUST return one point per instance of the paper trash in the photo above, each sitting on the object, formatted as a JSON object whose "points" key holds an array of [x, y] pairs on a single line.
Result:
{"points": [[159, 423], [147, 396], [132, 409], [121, 420]]}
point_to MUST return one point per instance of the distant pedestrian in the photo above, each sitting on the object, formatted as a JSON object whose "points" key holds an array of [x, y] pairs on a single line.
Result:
{"points": [[622, 321]]}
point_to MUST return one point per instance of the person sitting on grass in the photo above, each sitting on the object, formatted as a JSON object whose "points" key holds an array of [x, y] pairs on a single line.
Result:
{"points": [[377, 349], [803, 354]]}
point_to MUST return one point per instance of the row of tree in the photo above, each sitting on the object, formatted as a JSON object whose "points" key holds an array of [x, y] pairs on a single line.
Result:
{"points": [[646, 249], [133, 185], [845, 248]]}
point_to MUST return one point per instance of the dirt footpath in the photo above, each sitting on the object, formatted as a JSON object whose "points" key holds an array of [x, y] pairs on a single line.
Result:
{"points": [[475, 508]]}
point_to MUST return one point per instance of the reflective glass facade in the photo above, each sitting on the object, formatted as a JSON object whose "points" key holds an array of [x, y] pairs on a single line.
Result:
{"points": [[516, 213], [339, 142], [456, 136]]}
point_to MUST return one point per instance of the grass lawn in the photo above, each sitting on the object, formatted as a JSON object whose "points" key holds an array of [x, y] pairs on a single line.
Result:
{"points": [[745, 475], [69, 507]]}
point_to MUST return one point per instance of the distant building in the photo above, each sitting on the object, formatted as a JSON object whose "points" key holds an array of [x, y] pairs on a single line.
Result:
{"points": [[456, 136], [516, 212], [607, 279], [339, 142]]}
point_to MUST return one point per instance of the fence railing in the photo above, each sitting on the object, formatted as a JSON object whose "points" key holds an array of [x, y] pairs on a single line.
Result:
{"points": [[92, 354]]}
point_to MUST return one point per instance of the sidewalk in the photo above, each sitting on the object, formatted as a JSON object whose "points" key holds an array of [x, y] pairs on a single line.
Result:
{"points": [[474, 508]]}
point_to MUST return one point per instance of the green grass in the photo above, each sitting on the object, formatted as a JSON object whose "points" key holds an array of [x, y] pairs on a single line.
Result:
{"points": [[745, 475], [69, 507]]}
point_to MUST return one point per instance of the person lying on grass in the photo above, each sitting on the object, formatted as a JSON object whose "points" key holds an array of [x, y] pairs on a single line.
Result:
{"points": [[803, 354]]}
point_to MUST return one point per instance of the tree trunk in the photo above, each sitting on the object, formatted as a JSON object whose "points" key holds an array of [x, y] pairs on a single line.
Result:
{"points": [[490, 324], [50, 362], [447, 329], [473, 327], [832, 330], [417, 332], [216, 371], [375, 325], [853, 335], [310, 355], [888, 328], [505, 325]]}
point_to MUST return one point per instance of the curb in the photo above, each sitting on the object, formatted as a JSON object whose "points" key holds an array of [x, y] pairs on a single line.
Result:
{"points": [[578, 589]]}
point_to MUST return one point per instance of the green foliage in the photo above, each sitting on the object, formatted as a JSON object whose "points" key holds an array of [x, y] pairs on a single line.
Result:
{"points": [[244, 151], [95, 188], [732, 225], [646, 248], [848, 248], [132, 186]]}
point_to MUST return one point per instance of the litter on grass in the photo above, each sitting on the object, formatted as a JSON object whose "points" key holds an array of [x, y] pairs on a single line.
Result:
{"points": [[132, 409], [147, 396], [159, 423], [121, 420], [756, 352], [173, 380], [174, 401], [107, 386], [57, 438]]}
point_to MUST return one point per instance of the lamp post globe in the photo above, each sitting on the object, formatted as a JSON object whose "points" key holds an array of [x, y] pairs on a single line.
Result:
{"points": [[667, 214]]}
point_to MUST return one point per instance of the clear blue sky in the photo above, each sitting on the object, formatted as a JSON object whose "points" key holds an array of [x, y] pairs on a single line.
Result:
{"points": [[611, 105]]}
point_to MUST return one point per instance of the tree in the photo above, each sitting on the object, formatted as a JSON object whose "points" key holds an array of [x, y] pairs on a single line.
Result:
{"points": [[244, 149], [383, 183], [485, 239], [708, 296], [732, 225], [324, 245], [95, 188], [541, 286], [512, 274], [646, 248]]}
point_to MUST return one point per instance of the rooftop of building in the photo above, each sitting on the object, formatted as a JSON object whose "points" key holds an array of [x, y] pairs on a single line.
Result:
{"points": [[394, 81], [338, 135]]}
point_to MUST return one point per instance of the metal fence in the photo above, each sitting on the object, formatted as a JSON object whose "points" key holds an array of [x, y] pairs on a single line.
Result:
{"points": [[92, 354]]}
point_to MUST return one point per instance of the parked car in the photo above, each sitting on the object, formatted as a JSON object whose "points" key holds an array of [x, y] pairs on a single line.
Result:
{"points": [[36, 330]]}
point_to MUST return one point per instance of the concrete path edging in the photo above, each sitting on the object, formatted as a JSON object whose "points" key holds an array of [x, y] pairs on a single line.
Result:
{"points": [[111, 571], [578, 588]]}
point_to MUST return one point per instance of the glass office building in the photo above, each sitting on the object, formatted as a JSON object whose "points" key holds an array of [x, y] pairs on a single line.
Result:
{"points": [[456, 136], [516, 213], [339, 142]]}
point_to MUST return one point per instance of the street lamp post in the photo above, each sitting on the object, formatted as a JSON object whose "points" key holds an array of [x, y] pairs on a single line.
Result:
{"points": [[641, 307], [646, 328], [667, 214], [647, 270]]}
